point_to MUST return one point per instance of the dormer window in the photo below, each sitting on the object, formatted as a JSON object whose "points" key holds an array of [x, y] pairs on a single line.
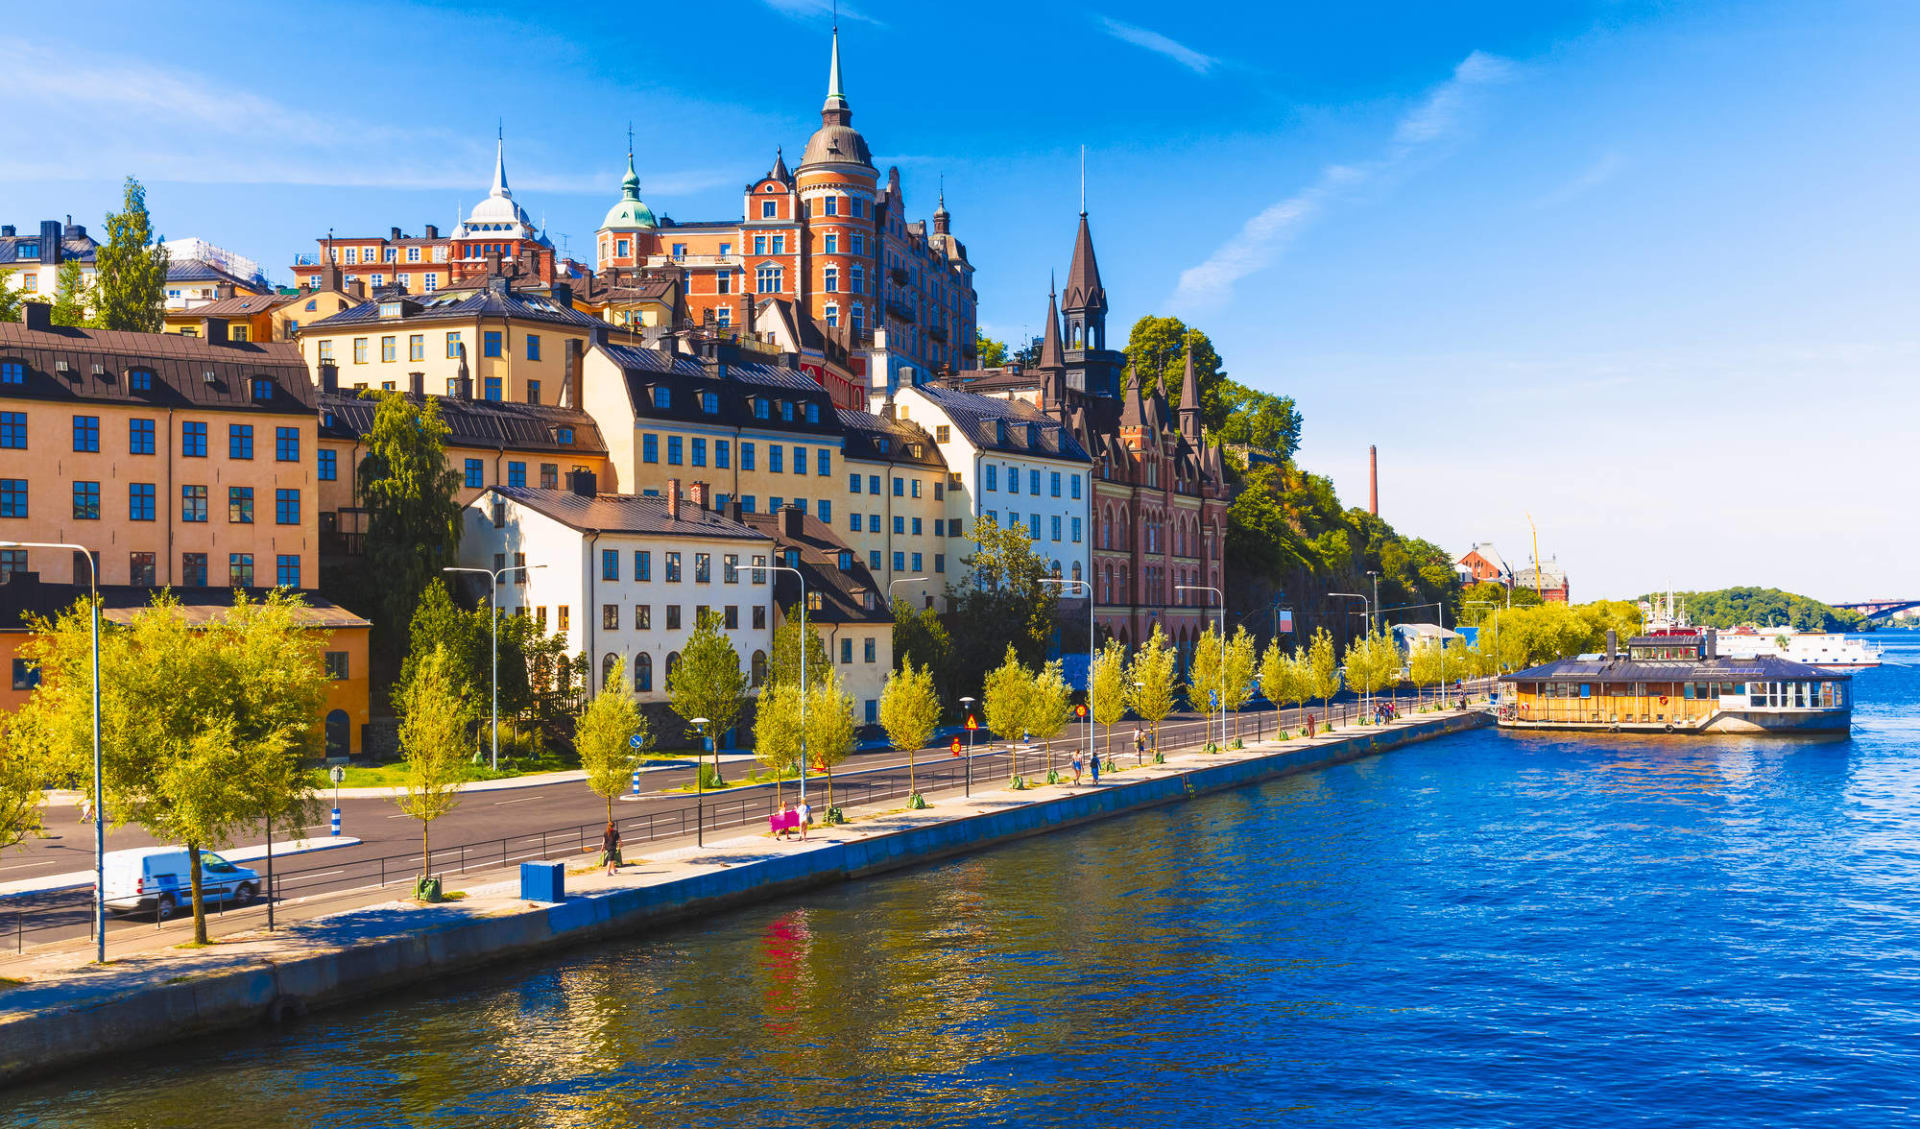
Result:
{"points": [[662, 396], [13, 372], [793, 558], [28, 251], [1033, 435], [710, 403], [390, 309], [883, 444], [140, 380], [262, 388], [563, 435], [1000, 430], [846, 560], [759, 408], [813, 413], [786, 411], [913, 450]]}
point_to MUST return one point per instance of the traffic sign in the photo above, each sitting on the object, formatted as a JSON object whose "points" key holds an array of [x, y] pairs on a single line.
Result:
{"points": [[1080, 711], [972, 724], [1213, 699], [337, 774], [635, 741], [956, 746]]}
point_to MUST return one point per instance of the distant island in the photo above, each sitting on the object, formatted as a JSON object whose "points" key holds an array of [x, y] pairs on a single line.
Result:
{"points": [[1766, 607]]}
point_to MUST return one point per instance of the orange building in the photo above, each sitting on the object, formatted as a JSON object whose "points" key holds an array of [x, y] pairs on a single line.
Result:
{"points": [[176, 461]]}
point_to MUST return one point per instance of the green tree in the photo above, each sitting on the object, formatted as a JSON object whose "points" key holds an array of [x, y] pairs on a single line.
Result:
{"points": [[1205, 673], [1049, 706], [130, 269], [1152, 674], [22, 778], [439, 624], [1284, 678], [1373, 663], [708, 681], [1109, 688], [1322, 672], [434, 719], [909, 710], [830, 726], [1003, 699], [785, 664], [10, 300], [776, 732], [1257, 419], [919, 637], [69, 296], [603, 735], [1002, 589], [1157, 352], [1427, 663], [991, 353], [413, 522], [1237, 680]]}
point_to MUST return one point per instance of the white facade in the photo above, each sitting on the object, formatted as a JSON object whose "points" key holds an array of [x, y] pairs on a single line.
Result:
{"points": [[1049, 497], [625, 594]]}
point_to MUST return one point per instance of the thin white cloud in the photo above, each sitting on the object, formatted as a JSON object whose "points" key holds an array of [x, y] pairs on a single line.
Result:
{"points": [[808, 9], [1159, 44], [1261, 239], [1593, 176]]}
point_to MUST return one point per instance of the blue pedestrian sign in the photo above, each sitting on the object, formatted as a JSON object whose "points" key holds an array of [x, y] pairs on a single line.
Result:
{"points": [[634, 742], [1213, 699]]}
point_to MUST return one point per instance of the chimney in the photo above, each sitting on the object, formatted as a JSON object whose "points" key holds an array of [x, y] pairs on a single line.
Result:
{"points": [[463, 387], [433, 231], [329, 377], [395, 237], [7, 231], [417, 383], [217, 330], [37, 315], [733, 510], [50, 242], [1713, 642], [793, 521], [1373, 480], [1613, 644], [574, 390], [583, 482], [563, 295], [76, 230], [697, 494], [673, 499], [357, 288]]}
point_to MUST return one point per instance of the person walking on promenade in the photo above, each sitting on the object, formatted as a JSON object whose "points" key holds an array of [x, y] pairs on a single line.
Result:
{"points": [[806, 817], [610, 847], [1139, 744], [1076, 769], [1309, 725]]}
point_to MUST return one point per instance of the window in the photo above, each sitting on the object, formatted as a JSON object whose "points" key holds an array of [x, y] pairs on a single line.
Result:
{"points": [[776, 459], [193, 570], [359, 350], [699, 452], [286, 570], [766, 212], [388, 352], [493, 390], [899, 562], [533, 346], [918, 529], [673, 617], [12, 372], [643, 617], [86, 501], [193, 504], [826, 511], [799, 460], [286, 444], [1033, 526], [12, 561], [262, 388], [643, 673], [642, 565], [939, 562], [1073, 480], [846, 649], [721, 454], [767, 279], [1033, 483], [139, 437], [609, 564], [549, 476], [868, 652], [673, 568], [240, 505], [1076, 527], [1056, 527], [993, 477], [830, 278], [916, 562], [193, 440], [26, 675], [662, 396], [140, 569], [650, 448], [610, 617], [240, 441], [673, 450], [453, 344], [13, 430], [490, 343], [900, 525], [562, 619], [476, 475], [853, 522], [240, 570], [86, 433], [1055, 483], [140, 505], [286, 507], [703, 568], [516, 474], [328, 462], [779, 244], [533, 391]]}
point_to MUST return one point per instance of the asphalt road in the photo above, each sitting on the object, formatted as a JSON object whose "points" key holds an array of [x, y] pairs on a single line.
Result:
{"points": [[492, 829]]}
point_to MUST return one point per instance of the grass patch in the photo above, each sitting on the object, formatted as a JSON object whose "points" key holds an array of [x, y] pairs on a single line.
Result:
{"points": [[453, 896], [394, 775], [195, 945], [9, 982]]}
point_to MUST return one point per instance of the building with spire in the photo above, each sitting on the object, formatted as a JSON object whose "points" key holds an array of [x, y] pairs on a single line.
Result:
{"points": [[822, 260]]}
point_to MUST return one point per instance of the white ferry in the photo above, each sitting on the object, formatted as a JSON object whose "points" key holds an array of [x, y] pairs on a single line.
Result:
{"points": [[1812, 648]]}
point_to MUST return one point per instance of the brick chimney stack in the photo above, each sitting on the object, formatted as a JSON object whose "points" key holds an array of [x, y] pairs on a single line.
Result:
{"points": [[1373, 480], [697, 494], [673, 499]]}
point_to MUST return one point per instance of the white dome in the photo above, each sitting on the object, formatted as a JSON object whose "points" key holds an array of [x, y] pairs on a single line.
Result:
{"points": [[498, 214]]}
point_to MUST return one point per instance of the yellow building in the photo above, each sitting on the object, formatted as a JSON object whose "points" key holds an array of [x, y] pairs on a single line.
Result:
{"points": [[266, 317], [176, 461], [845, 606], [896, 508], [347, 711], [512, 343]]}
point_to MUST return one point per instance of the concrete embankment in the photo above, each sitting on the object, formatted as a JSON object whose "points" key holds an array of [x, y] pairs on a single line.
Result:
{"points": [[67, 1017]]}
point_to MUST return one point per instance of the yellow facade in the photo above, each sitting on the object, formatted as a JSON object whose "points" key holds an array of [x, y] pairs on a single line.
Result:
{"points": [[508, 357]]}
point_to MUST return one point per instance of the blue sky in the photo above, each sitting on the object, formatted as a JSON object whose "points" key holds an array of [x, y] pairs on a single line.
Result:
{"points": [[1644, 271]]}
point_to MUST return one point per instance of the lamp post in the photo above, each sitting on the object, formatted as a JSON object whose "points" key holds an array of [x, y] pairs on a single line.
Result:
{"points": [[493, 621], [699, 789], [803, 641], [1088, 585], [1221, 618], [1367, 612], [1371, 626], [967, 704], [99, 801], [1496, 630], [902, 580]]}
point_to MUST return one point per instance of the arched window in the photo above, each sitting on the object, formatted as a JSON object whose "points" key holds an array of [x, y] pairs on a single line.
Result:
{"points": [[643, 673], [1076, 570], [759, 668], [673, 661], [606, 667], [1056, 570]]}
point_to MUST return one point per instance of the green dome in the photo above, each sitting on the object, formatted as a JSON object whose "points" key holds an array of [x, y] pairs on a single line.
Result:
{"points": [[629, 211]]}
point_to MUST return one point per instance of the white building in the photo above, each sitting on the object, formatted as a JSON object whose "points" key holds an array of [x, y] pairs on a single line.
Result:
{"points": [[1010, 462], [624, 576]]}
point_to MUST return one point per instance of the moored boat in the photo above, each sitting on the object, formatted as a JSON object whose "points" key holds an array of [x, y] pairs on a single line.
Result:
{"points": [[1676, 683]]}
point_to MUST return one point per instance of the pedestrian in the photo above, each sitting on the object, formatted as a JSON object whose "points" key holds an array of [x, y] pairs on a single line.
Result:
{"points": [[1139, 744], [1309, 725], [806, 817], [86, 809], [1076, 770], [787, 821], [610, 847]]}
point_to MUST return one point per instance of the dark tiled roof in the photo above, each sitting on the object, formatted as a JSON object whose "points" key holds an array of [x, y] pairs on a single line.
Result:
{"points": [[483, 302], [81, 248], [25, 595], [472, 423], [196, 270], [1654, 670], [820, 557], [625, 513], [980, 416], [866, 432], [180, 367], [241, 306], [737, 383]]}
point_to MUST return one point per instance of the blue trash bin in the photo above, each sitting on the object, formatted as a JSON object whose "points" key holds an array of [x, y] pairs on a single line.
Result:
{"points": [[543, 881]]}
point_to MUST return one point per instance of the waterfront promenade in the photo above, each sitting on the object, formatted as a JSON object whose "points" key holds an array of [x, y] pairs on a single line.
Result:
{"points": [[64, 1011]]}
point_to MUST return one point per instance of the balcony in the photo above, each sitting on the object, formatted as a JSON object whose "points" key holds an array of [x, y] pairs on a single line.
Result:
{"points": [[899, 309], [688, 262], [938, 333], [898, 274]]}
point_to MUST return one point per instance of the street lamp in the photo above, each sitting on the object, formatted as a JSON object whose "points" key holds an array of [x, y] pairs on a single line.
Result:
{"points": [[1371, 626], [967, 704], [1222, 620], [803, 641], [493, 606], [1088, 585], [1139, 749], [99, 804], [1367, 612], [699, 790], [902, 580]]}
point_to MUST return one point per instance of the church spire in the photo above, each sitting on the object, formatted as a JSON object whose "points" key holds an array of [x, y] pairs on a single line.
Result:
{"points": [[1190, 401], [1051, 354], [836, 94], [500, 167]]}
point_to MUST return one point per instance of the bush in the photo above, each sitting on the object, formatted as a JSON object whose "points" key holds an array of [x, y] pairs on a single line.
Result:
{"points": [[710, 777]]}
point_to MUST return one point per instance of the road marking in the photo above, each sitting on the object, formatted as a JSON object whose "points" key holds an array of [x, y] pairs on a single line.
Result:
{"points": [[503, 803], [402, 815]]}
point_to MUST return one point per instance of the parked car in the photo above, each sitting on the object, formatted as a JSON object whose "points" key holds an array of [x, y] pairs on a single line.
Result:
{"points": [[159, 880]]}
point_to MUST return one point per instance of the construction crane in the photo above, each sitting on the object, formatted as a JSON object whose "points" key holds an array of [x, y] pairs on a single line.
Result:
{"points": [[1536, 556]]}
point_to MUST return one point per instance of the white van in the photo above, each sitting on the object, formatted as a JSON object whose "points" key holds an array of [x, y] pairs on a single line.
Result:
{"points": [[159, 880]]}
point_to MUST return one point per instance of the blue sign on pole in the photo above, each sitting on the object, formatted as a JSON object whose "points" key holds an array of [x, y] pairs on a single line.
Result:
{"points": [[634, 742], [1213, 699]]}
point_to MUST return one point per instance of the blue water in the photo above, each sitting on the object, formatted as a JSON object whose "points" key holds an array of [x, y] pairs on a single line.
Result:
{"points": [[1491, 930]]}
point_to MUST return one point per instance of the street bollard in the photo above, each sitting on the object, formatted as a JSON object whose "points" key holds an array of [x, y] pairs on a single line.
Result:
{"points": [[636, 782], [336, 823]]}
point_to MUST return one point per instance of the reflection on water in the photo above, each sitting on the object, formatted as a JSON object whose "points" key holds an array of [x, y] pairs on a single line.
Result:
{"points": [[1489, 930]]}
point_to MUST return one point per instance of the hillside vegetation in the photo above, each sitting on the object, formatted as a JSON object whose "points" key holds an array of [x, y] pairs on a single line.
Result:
{"points": [[1766, 607]]}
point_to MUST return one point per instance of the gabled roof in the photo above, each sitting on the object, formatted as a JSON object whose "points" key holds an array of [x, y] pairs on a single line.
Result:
{"points": [[737, 383], [878, 438], [820, 559], [197, 270], [486, 301], [979, 418], [473, 423], [187, 371], [241, 306], [623, 513]]}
